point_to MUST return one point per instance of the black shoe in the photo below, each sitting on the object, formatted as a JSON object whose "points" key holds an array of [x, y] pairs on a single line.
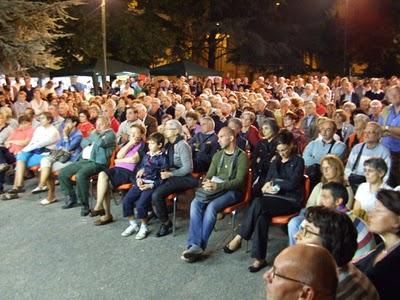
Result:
{"points": [[85, 211], [229, 250], [69, 204], [254, 269], [165, 229]]}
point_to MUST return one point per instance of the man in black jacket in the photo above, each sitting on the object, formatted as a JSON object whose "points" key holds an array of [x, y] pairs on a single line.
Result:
{"points": [[204, 144]]}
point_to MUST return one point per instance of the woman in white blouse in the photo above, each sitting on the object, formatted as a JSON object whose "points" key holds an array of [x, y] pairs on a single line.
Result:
{"points": [[44, 139]]}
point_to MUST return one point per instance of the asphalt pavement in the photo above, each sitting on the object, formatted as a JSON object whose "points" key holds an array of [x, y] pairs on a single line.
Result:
{"points": [[51, 253]]}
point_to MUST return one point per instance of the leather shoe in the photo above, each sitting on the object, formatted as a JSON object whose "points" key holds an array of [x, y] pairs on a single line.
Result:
{"points": [[85, 211], [164, 230], [69, 204], [100, 222], [95, 213], [254, 269]]}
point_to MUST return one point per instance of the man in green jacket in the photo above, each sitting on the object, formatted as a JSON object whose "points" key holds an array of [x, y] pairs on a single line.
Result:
{"points": [[223, 186], [95, 156]]}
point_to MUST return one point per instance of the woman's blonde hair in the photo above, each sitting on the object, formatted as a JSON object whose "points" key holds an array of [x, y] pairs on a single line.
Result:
{"points": [[337, 165]]}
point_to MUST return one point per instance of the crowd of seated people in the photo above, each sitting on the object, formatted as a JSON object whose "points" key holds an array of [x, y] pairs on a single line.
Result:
{"points": [[161, 137]]}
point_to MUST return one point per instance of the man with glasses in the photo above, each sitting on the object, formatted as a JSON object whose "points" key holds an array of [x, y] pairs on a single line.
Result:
{"points": [[318, 148], [302, 272], [335, 232], [354, 171]]}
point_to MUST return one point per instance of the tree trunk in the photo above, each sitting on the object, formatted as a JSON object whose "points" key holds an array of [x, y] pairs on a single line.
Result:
{"points": [[212, 49]]}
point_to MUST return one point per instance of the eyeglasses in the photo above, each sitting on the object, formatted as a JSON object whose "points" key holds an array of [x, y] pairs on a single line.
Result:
{"points": [[274, 274], [369, 170]]}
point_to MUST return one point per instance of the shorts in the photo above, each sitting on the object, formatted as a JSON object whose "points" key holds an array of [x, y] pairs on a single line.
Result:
{"points": [[30, 158]]}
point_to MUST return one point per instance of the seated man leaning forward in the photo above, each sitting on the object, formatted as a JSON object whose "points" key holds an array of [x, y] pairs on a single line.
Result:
{"points": [[96, 153], [222, 187]]}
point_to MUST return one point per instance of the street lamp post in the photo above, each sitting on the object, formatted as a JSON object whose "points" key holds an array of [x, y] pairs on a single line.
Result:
{"points": [[104, 35], [346, 67]]}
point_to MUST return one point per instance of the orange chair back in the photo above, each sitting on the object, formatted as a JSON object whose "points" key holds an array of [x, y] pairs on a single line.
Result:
{"points": [[112, 157], [284, 219]]}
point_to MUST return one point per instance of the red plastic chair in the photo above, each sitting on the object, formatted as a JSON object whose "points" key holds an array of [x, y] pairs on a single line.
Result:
{"points": [[245, 201], [174, 198], [284, 219]]}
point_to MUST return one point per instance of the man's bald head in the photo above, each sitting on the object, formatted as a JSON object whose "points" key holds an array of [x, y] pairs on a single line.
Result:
{"points": [[308, 270]]}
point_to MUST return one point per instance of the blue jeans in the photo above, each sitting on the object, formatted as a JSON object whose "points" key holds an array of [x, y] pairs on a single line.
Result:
{"points": [[203, 217], [294, 226]]}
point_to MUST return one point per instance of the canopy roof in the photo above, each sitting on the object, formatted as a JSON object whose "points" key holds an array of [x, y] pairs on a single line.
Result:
{"points": [[97, 68], [183, 68]]}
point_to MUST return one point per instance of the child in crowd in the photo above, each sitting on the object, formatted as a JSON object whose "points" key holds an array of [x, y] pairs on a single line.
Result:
{"points": [[147, 179]]}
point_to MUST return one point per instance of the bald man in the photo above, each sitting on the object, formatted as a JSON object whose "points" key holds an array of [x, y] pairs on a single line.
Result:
{"points": [[222, 187], [302, 272]]}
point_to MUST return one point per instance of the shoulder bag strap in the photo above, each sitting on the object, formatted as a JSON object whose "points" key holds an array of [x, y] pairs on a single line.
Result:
{"points": [[358, 157], [330, 148]]}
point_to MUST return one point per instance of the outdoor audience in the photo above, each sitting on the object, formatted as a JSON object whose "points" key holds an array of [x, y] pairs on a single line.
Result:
{"points": [[288, 127]]}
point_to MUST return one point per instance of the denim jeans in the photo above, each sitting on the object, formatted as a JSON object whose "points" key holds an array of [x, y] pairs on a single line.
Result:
{"points": [[294, 226], [203, 217]]}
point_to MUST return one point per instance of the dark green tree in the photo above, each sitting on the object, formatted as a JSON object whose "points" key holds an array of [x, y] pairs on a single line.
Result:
{"points": [[27, 29]]}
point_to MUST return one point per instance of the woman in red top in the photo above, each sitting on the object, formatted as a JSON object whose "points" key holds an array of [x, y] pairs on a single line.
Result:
{"points": [[84, 125], [249, 131], [320, 108]]}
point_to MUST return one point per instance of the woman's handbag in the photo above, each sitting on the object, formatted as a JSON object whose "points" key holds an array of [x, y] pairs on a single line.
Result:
{"points": [[60, 155]]}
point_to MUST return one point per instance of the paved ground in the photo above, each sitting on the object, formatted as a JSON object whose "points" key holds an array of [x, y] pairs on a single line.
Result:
{"points": [[50, 253]]}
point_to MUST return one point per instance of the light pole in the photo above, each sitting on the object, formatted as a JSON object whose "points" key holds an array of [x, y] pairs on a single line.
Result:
{"points": [[346, 68], [104, 35]]}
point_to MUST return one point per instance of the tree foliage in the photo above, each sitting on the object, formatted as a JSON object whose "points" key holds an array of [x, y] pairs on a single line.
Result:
{"points": [[261, 34], [27, 29]]}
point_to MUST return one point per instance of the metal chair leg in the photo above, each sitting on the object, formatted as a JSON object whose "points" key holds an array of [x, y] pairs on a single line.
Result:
{"points": [[233, 223], [174, 215]]}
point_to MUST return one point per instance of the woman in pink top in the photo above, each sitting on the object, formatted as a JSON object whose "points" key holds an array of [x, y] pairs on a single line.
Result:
{"points": [[16, 140], [123, 172], [21, 136]]}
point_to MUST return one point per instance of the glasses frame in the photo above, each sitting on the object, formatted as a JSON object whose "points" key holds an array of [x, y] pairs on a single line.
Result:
{"points": [[274, 274]]}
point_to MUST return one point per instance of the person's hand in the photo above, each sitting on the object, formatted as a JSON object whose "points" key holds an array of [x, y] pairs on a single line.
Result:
{"points": [[209, 185], [124, 138], [144, 187], [267, 188], [66, 131], [166, 175], [139, 173]]}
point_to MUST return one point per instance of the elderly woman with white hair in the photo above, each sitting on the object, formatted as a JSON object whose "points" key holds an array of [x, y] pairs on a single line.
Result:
{"points": [[177, 177], [180, 113]]}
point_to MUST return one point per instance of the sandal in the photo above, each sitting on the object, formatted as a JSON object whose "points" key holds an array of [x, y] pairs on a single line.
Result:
{"points": [[100, 222], [39, 189], [47, 202], [9, 196], [17, 190]]}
